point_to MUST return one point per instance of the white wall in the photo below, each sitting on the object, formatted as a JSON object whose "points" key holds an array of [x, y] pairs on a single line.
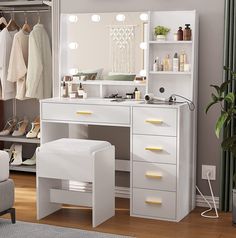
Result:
{"points": [[211, 14]]}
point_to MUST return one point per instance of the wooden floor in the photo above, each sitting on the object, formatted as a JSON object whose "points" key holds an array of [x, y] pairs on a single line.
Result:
{"points": [[193, 226]]}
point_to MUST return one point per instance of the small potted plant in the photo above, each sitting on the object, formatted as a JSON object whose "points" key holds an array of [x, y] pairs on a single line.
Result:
{"points": [[161, 32], [227, 102]]}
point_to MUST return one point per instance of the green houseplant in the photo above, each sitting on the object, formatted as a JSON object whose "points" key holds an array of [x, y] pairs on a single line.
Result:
{"points": [[161, 32], [226, 101]]}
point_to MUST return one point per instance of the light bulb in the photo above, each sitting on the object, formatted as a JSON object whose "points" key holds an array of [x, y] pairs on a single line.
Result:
{"points": [[142, 72], [73, 18], [95, 18], [73, 45], [120, 17], [143, 45], [73, 71], [143, 16]]}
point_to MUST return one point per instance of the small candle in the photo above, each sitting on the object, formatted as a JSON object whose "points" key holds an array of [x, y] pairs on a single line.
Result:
{"points": [[175, 36], [186, 67]]}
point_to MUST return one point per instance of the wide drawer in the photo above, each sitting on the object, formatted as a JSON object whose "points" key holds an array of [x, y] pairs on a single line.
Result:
{"points": [[85, 113], [154, 176], [154, 149], [154, 121], [154, 204]]}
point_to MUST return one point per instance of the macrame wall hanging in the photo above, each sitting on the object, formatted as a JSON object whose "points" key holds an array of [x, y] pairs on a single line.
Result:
{"points": [[122, 42]]}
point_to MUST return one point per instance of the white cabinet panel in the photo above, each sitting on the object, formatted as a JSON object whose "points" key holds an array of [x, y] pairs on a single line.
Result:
{"points": [[154, 176], [154, 121], [154, 149], [154, 204], [85, 113]]}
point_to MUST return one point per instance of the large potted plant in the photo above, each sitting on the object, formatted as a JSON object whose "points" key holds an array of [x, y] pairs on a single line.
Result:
{"points": [[226, 100], [161, 32]]}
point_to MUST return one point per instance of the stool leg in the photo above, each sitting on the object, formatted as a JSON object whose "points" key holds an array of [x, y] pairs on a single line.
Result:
{"points": [[103, 186], [44, 205], [13, 215]]}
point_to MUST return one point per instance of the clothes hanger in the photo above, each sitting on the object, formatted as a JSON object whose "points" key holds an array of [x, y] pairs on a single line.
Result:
{"points": [[3, 22], [39, 18], [26, 27], [12, 25]]}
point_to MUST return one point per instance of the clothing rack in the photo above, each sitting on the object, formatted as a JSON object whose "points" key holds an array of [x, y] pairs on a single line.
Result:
{"points": [[25, 11]]}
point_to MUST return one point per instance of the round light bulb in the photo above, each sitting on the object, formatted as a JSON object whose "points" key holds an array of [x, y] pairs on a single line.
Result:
{"points": [[120, 17], [73, 71], [95, 18], [73, 18], [73, 45], [143, 45], [142, 72], [143, 16]]}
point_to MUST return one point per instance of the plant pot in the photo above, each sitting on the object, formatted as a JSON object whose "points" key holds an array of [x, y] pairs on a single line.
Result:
{"points": [[234, 207], [160, 37]]}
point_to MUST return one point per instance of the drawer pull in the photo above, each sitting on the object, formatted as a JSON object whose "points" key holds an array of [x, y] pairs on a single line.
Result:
{"points": [[153, 175], [154, 121], [83, 113], [153, 202], [154, 148]]}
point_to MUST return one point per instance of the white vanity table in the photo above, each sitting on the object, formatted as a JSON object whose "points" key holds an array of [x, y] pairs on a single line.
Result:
{"points": [[162, 137], [160, 163]]}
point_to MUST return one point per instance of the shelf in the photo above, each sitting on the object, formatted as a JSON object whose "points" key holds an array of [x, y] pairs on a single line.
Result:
{"points": [[20, 139], [170, 42], [24, 168], [170, 72], [109, 82]]}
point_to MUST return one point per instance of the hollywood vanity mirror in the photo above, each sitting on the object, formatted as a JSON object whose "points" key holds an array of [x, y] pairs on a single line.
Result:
{"points": [[109, 48]]}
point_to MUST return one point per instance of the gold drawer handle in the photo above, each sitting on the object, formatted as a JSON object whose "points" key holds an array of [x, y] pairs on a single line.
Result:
{"points": [[153, 202], [83, 113], [154, 148], [154, 121], [153, 175]]}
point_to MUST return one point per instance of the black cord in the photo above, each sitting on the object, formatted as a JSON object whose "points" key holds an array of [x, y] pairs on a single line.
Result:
{"points": [[189, 102]]}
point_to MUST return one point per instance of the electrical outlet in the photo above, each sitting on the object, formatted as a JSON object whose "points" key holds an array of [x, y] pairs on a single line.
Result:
{"points": [[212, 172]]}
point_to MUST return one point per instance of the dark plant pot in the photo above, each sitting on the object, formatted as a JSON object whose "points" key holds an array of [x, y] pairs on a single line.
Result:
{"points": [[234, 207]]}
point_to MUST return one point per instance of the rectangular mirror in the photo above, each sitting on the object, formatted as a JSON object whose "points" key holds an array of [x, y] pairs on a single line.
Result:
{"points": [[104, 46]]}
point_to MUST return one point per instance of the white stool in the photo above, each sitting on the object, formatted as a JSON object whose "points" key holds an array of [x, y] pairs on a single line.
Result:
{"points": [[76, 160]]}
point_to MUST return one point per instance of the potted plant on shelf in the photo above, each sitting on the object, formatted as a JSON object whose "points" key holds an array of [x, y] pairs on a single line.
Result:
{"points": [[161, 32], [226, 100]]}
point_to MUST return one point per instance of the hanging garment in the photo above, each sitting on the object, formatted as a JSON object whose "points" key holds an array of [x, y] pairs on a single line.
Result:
{"points": [[18, 63], [7, 89], [39, 76], [3, 23]]}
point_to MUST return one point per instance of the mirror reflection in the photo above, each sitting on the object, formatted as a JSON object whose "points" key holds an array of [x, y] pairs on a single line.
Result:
{"points": [[104, 46]]}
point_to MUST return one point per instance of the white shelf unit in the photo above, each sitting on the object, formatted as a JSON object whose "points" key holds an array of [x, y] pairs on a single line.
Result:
{"points": [[170, 42], [170, 72]]}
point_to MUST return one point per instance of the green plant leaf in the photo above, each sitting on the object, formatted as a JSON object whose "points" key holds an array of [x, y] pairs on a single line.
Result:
{"points": [[224, 86], [209, 106], [230, 98], [221, 122], [214, 97], [216, 87]]}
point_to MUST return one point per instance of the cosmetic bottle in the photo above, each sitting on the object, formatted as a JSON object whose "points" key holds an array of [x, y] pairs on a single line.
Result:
{"points": [[180, 34], [187, 34], [63, 89], [80, 91], [167, 63], [155, 66], [135, 90], [182, 61], [137, 95], [175, 63], [70, 87]]}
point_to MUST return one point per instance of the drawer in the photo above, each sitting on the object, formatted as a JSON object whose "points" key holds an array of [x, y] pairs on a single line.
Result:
{"points": [[154, 121], [154, 149], [85, 113], [154, 204], [154, 176]]}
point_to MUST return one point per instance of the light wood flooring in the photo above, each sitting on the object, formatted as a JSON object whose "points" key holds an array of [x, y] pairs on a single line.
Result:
{"points": [[193, 226]]}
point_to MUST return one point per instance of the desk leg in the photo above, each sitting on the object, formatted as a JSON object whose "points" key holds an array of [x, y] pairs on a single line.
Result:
{"points": [[44, 205], [103, 200]]}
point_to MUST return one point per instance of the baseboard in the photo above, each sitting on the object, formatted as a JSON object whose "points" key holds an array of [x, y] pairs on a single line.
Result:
{"points": [[200, 202]]}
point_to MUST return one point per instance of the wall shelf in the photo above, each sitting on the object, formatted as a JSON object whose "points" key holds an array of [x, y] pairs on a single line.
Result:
{"points": [[170, 72], [110, 83], [170, 42], [21, 139]]}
